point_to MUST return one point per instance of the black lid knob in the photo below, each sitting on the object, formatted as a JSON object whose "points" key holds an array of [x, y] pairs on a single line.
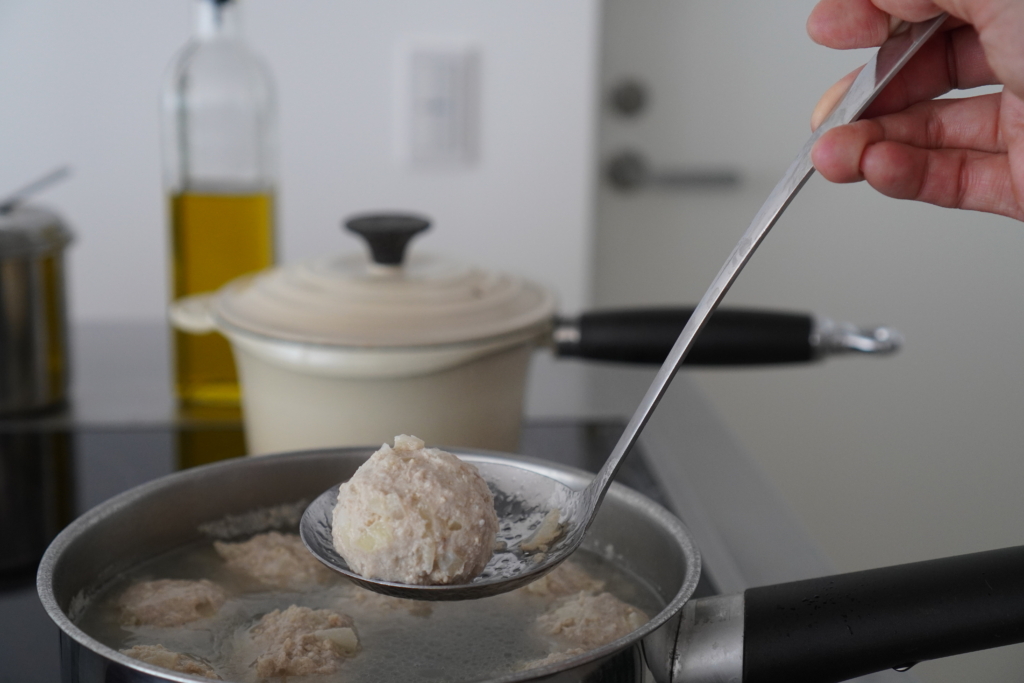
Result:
{"points": [[387, 234]]}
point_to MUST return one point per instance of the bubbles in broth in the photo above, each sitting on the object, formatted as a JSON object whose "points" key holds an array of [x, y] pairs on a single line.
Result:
{"points": [[398, 639]]}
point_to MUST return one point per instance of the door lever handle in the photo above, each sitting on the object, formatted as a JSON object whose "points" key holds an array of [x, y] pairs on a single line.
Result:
{"points": [[628, 170]]}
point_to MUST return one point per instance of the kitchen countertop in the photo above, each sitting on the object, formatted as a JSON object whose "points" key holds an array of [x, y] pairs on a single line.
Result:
{"points": [[124, 428]]}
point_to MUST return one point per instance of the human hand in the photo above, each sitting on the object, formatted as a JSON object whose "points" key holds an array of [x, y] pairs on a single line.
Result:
{"points": [[966, 153]]}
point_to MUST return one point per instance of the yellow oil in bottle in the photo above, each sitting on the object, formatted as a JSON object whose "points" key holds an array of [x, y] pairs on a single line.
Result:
{"points": [[216, 237]]}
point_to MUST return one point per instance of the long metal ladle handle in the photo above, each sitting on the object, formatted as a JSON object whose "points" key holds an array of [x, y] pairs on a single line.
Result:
{"points": [[876, 74]]}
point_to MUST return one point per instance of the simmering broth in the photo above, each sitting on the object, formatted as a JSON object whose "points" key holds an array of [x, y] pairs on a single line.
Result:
{"points": [[398, 639]]}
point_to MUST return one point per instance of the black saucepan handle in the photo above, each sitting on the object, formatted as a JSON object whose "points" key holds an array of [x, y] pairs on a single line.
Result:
{"points": [[731, 337], [840, 627]]}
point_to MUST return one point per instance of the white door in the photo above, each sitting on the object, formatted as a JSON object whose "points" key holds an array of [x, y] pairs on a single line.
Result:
{"points": [[886, 460]]}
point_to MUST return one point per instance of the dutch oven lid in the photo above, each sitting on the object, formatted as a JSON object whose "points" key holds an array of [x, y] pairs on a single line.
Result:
{"points": [[389, 300], [31, 230]]}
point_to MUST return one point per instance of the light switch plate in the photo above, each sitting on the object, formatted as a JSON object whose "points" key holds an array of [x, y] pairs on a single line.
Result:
{"points": [[440, 108]]}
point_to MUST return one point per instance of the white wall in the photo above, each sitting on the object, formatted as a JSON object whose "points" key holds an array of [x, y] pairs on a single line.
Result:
{"points": [[80, 83]]}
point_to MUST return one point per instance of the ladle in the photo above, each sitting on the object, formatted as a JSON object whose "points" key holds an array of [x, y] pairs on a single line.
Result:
{"points": [[523, 494]]}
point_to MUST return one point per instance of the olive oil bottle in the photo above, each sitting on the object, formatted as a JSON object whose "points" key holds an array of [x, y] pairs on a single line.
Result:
{"points": [[215, 238], [219, 169]]}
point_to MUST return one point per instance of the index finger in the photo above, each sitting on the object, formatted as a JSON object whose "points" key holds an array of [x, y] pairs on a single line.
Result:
{"points": [[847, 24], [949, 61]]}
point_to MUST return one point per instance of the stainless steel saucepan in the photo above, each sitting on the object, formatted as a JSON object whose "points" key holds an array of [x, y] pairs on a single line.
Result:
{"points": [[820, 630]]}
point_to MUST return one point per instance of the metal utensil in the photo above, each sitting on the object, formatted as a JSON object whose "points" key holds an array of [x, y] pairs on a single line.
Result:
{"points": [[34, 359], [524, 497], [8, 203]]}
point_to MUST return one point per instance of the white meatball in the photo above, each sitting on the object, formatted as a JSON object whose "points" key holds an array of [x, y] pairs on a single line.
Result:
{"points": [[567, 578], [170, 602], [300, 641], [415, 515], [275, 560], [588, 621]]}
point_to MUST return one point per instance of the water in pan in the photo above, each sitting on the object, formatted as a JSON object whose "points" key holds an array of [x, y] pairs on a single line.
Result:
{"points": [[399, 639]]}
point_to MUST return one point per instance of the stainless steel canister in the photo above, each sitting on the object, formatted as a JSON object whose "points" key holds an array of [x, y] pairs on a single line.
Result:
{"points": [[33, 318]]}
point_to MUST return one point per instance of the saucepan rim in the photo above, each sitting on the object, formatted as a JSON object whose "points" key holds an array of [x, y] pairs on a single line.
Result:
{"points": [[568, 475]]}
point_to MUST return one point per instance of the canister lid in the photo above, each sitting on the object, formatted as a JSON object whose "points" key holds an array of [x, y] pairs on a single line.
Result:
{"points": [[356, 301], [30, 230]]}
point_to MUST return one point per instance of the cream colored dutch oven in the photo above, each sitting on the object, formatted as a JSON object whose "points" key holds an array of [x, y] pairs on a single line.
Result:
{"points": [[348, 350]]}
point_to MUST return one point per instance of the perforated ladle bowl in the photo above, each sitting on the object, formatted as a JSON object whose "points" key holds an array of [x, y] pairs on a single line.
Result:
{"points": [[523, 496]]}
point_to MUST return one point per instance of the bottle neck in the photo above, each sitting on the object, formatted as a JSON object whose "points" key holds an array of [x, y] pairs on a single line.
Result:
{"points": [[217, 19]]}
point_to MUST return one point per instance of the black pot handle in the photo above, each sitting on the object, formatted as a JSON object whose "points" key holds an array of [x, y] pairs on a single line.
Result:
{"points": [[839, 627], [731, 337]]}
